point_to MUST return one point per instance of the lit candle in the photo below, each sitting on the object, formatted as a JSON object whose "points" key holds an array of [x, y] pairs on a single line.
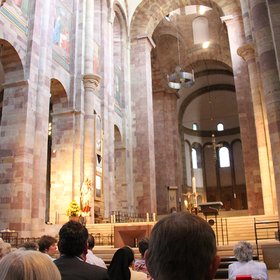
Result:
{"points": [[193, 185], [154, 217], [114, 218], [147, 216]]}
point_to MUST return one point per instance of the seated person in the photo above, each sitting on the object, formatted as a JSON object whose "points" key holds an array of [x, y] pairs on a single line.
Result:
{"points": [[48, 245], [182, 246], [29, 245], [243, 252], [5, 248], [24, 264], [90, 257], [121, 266], [140, 264], [72, 244]]}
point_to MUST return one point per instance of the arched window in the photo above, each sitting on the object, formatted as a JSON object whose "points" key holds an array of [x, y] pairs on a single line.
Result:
{"points": [[224, 157], [220, 127], [194, 158], [200, 30], [195, 126]]}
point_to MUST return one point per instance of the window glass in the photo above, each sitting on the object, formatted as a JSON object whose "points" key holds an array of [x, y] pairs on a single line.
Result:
{"points": [[194, 126], [200, 30], [224, 157], [194, 158], [220, 127]]}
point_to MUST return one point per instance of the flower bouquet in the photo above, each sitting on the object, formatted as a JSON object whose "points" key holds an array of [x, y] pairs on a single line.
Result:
{"points": [[73, 209]]}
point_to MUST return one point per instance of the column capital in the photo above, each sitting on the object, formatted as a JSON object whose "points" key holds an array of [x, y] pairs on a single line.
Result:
{"points": [[91, 81], [247, 52]]}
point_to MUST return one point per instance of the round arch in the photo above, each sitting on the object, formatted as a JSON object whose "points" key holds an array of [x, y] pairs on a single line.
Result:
{"points": [[11, 68], [152, 13]]}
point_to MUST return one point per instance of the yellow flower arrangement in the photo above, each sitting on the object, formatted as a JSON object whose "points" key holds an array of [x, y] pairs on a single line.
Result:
{"points": [[73, 209]]}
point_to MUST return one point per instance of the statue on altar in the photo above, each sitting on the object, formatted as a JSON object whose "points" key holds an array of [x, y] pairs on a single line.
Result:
{"points": [[86, 197]]}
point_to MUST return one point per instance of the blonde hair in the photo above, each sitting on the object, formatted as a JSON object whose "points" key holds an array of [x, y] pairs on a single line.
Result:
{"points": [[28, 265], [5, 248]]}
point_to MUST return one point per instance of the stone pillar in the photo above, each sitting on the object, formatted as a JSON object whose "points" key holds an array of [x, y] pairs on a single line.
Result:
{"points": [[44, 18], [247, 52], [270, 79], [108, 113], [167, 147], [91, 85], [246, 118], [143, 125], [16, 165], [273, 13]]}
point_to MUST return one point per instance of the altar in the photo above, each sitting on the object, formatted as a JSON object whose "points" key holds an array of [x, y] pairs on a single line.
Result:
{"points": [[131, 234], [210, 208]]}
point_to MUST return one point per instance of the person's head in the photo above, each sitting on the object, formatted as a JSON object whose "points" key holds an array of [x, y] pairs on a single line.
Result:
{"points": [[29, 245], [182, 246], [72, 239], [243, 251], [143, 245], [91, 241], [28, 265], [47, 244], [5, 248], [121, 261]]}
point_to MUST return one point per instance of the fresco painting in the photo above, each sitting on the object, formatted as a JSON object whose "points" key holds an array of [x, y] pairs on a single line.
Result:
{"points": [[61, 32]]}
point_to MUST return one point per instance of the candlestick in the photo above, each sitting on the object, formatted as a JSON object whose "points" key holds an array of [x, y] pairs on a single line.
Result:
{"points": [[154, 217], [147, 216], [193, 184]]}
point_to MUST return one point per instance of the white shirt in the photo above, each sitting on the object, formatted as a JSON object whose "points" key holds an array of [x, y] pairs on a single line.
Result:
{"points": [[92, 259], [254, 268], [137, 275]]}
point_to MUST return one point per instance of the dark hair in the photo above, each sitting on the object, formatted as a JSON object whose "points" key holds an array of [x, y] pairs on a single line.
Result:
{"points": [[143, 246], [119, 266], [91, 241], [182, 246], [45, 242], [29, 245], [72, 239]]}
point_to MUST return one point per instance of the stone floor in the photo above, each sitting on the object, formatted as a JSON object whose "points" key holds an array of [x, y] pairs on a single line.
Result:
{"points": [[274, 274]]}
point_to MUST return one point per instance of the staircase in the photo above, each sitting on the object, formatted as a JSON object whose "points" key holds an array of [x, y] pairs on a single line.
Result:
{"points": [[229, 230]]}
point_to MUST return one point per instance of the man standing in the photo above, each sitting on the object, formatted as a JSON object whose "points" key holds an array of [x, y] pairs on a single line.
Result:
{"points": [[72, 244]]}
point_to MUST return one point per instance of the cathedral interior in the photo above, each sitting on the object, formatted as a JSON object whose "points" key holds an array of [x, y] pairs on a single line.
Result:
{"points": [[136, 107]]}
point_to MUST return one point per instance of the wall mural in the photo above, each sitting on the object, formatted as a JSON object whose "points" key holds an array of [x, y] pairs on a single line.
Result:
{"points": [[62, 28], [22, 5]]}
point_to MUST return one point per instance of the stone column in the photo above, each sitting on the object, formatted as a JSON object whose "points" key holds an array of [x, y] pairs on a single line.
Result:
{"points": [[247, 52], [143, 125], [167, 147], [16, 151], [270, 79], [246, 118], [91, 85], [108, 113], [273, 13]]}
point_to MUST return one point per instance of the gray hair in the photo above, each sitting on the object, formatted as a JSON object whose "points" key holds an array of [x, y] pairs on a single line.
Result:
{"points": [[243, 251], [28, 265]]}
